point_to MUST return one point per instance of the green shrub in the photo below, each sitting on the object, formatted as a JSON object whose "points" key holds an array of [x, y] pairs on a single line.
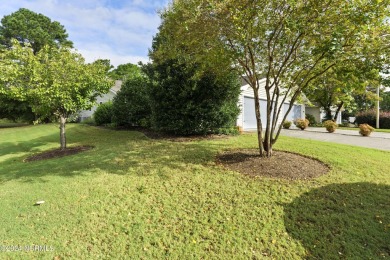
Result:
{"points": [[228, 131], [312, 120], [185, 103], [103, 114], [287, 124], [369, 117], [131, 105], [365, 129], [301, 123], [330, 126]]}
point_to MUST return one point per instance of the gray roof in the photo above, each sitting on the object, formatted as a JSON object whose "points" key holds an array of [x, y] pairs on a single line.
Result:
{"points": [[117, 86]]}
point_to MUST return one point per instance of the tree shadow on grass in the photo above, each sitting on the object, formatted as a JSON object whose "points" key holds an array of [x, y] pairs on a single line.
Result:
{"points": [[131, 153], [349, 221]]}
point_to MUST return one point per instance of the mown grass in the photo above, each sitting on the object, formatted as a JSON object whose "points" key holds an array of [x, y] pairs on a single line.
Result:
{"points": [[5, 123], [132, 197]]}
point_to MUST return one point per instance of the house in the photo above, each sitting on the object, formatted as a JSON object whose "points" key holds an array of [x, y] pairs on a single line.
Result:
{"points": [[319, 114], [247, 117], [84, 114]]}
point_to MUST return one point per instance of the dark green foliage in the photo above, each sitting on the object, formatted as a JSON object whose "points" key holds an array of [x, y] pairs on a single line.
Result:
{"points": [[15, 110], [103, 114], [369, 117], [35, 29], [131, 104], [385, 103], [184, 102], [312, 120]]}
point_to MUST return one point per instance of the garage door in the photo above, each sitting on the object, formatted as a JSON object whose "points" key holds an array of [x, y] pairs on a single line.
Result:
{"points": [[295, 112], [250, 115]]}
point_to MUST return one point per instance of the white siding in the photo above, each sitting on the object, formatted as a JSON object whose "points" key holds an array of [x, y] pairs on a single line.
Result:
{"points": [[314, 111], [84, 114], [246, 102]]}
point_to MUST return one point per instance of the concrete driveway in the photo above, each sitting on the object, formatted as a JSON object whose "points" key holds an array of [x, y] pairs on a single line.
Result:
{"points": [[376, 140]]}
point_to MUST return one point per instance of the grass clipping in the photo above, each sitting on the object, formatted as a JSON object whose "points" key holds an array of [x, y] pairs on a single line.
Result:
{"points": [[282, 165]]}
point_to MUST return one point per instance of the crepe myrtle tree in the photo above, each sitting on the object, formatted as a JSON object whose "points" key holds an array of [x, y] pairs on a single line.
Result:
{"points": [[289, 43], [55, 81]]}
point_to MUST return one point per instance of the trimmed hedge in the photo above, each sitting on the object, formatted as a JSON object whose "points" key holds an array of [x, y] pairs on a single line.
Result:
{"points": [[369, 117]]}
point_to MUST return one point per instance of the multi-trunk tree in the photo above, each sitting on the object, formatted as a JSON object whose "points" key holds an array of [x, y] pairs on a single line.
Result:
{"points": [[290, 43], [54, 81]]}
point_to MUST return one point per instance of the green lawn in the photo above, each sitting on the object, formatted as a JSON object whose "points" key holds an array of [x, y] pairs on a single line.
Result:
{"points": [[5, 123], [132, 197]]}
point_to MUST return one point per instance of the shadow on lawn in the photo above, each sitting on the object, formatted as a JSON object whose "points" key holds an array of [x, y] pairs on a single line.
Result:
{"points": [[113, 153], [342, 221]]}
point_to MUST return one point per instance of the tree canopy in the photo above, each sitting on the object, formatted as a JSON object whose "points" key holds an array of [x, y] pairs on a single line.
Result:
{"points": [[35, 29], [55, 81], [337, 88], [125, 71], [289, 42]]}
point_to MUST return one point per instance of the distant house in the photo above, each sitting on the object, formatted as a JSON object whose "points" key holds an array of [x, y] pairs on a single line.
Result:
{"points": [[84, 114], [247, 117], [319, 113]]}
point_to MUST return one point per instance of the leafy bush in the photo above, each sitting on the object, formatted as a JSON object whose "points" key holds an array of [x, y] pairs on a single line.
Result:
{"points": [[16, 110], [184, 102], [301, 123], [369, 117], [287, 124], [131, 105], [103, 114], [365, 129], [312, 120], [228, 131], [330, 126]]}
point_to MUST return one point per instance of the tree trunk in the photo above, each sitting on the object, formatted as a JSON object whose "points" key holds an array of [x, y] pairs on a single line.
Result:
{"points": [[267, 143], [258, 121], [267, 136], [328, 113], [62, 132], [339, 106]]}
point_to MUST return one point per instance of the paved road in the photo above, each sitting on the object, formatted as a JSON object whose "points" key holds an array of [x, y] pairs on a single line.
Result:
{"points": [[376, 140]]}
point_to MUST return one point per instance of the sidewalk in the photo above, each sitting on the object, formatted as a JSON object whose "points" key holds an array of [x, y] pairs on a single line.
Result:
{"points": [[377, 140]]}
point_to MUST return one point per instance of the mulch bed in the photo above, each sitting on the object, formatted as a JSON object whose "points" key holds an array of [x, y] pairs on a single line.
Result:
{"points": [[282, 165], [57, 153]]}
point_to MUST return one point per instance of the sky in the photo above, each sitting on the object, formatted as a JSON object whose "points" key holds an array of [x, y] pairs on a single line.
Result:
{"points": [[118, 30]]}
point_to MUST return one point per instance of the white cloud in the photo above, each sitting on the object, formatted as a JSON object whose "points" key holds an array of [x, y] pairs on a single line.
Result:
{"points": [[105, 52], [121, 31]]}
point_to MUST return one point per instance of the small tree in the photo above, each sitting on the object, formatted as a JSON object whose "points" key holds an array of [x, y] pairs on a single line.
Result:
{"points": [[35, 30], [55, 81]]}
